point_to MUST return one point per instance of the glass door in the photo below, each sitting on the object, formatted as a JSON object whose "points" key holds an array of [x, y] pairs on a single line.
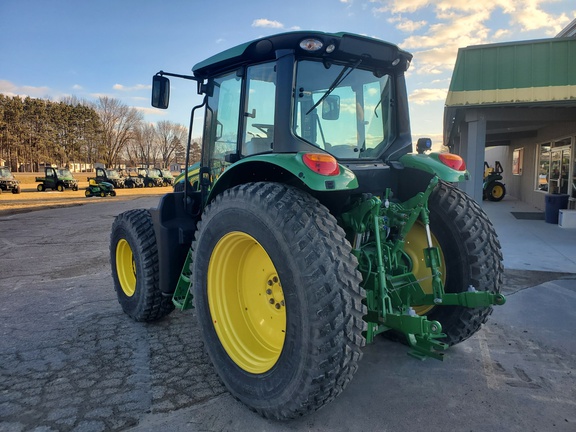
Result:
{"points": [[560, 180]]}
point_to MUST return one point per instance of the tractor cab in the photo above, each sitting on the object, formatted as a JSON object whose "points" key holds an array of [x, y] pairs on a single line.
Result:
{"points": [[336, 102]]}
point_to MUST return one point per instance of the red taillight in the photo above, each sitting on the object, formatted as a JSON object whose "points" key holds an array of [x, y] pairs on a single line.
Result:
{"points": [[453, 161], [321, 163]]}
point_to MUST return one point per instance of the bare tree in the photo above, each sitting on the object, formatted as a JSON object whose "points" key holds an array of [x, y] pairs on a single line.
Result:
{"points": [[119, 123], [170, 137], [146, 144]]}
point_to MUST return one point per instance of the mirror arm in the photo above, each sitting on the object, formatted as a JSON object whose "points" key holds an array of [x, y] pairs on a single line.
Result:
{"points": [[190, 77]]}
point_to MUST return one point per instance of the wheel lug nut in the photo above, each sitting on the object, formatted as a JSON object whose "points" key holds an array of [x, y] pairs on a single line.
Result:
{"points": [[268, 291], [270, 282], [271, 301], [282, 302], [277, 305], [275, 279]]}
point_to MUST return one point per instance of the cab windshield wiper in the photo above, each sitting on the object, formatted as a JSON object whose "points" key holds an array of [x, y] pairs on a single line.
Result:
{"points": [[341, 77]]}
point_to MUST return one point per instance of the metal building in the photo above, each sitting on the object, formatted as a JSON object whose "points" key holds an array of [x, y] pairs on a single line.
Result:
{"points": [[519, 97]]}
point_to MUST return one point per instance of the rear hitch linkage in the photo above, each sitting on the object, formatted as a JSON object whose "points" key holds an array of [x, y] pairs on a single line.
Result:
{"points": [[379, 230]]}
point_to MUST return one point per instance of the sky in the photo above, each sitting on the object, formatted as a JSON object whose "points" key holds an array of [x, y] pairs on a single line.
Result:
{"points": [[89, 48]]}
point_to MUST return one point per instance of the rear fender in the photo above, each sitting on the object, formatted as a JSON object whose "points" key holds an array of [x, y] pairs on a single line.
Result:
{"points": [[283, 168], [431, 164], [174, 228]]}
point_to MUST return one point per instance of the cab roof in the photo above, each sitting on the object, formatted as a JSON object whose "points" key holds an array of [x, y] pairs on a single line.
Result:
{"points": [[347, 47]]}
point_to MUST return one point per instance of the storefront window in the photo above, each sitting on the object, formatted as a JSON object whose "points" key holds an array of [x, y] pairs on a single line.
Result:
{"points": [[556, 169], [543, 169]]}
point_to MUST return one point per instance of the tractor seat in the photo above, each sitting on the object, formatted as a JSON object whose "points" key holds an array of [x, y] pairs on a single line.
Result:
{"points": [[257, 145], [92, 182]]}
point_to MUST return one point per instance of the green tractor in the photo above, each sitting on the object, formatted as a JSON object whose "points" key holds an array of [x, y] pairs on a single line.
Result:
{"points": [[492, 188], [312, 228]]}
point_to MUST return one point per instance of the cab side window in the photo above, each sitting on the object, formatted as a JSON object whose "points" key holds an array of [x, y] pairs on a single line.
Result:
{"points": [[223, 113], [260, 106]]}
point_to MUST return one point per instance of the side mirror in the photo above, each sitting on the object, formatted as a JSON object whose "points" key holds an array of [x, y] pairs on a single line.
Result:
{"points": [[160, 91], [423, 144], [331, 107]]}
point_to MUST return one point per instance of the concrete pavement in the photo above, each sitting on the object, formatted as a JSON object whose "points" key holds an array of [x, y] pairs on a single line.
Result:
{"points": [[531, 244], [70, 360]]}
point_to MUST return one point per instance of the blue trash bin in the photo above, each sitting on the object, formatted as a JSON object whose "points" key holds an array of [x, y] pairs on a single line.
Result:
{"points": [[555, 203]]}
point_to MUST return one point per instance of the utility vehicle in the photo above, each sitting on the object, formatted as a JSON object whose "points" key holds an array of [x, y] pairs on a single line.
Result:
{"points": [[167, 177], [57, 179], [132, 179], [110, 176], [150, 176], [8, 182], [313, 227]]}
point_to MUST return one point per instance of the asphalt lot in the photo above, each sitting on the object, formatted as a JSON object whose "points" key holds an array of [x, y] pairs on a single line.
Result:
{"points": [[70, 360]]}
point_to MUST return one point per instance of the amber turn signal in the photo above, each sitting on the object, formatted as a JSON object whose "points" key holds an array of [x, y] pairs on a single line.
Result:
{"points": [[321, 163]]}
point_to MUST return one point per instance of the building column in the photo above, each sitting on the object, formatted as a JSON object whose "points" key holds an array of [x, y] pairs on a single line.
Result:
{"points": [[472, 147]]}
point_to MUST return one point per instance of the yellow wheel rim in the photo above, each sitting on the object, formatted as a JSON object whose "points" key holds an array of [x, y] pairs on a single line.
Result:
{"points": [[126, 267], [497, 191], [415, 244], [246, 302]]}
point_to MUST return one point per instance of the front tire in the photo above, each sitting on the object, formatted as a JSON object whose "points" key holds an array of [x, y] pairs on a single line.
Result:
{"points": [[471, 255], [134, 259], [278, 298]]}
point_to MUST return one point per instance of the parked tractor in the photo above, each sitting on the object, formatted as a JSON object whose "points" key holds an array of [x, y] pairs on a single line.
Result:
{"points": [[313, 228], [8, 182], [58, 179], [493, 188]]}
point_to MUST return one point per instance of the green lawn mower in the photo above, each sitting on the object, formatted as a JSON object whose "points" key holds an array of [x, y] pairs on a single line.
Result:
{"points": [[101, 189]]}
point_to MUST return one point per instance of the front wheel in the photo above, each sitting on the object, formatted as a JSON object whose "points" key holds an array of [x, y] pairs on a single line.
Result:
{"points": [[60, 188], [278, 298], [40, 187], [134, 259], [471, 256]]}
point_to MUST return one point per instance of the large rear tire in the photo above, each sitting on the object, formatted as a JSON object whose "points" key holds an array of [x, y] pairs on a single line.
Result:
{"points": [[471, 256], [278, 298], [134, 259]]}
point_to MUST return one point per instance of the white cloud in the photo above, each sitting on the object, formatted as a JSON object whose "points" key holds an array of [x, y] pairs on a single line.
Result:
{"points": [[423, 96], [398, 6], [137, 87], [10, 89], [464, 23], [147, 110], [263, 22], [406, 25], [77, 87]]}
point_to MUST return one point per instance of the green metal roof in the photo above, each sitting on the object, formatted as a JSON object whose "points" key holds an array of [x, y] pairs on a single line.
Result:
{"points": [[515, 73]]}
